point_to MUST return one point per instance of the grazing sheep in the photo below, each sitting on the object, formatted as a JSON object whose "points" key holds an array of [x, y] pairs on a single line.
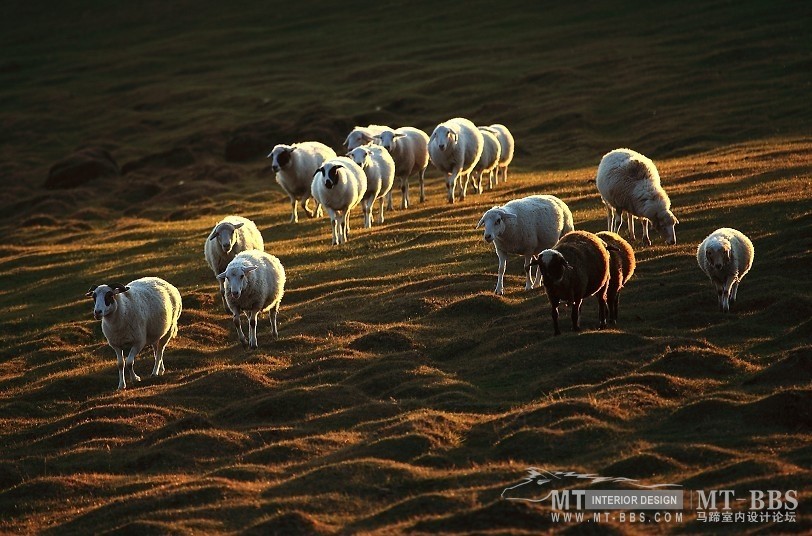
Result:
{"points": [[726, 256], [525, 227], [144, 312], [230, 236], [379, 168], [575, 268], [508, 145], [255, 283], [489, 161], [294, 166], [409, 148], [339, 185], [621, 268], [455, 147], [363, 135], [628, 181]]}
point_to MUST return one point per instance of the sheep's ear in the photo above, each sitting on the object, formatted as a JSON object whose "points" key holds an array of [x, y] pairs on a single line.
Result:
{"points": [[290, 150], [399, 135], [238, 225], [509, 216], [213, 234], [89, 293], [118, 288], [270, 155], [222, 276], [481, 222], [248, 268], [347, 141], [321, 169]]}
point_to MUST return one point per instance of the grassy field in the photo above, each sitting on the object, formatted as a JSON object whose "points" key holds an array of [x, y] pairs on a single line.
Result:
{"points": [[402, 395]]}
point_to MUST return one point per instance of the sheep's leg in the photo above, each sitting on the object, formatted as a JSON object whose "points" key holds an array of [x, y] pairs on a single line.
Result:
{"points": [[465, 187], [345, 219], [630, 225], [366, 205], [603, 310], [404, 190], [500, 279], [733, 291], [576, 314], [333, 225], [294, 206], [554, 313], [120, 358], [158, 349], [490, 179], [451, 184], [273, 314], [238, 325], [389, 200], [504, 177], [719, 291], [223, 296], [380, 221], [726, 293], [644, 223], [311, 213], [130, 362], [529, 280], [610, 217], [319, 211], [252, 330], [423, 185]]}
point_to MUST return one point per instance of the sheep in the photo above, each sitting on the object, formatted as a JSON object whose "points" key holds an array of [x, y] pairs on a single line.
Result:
{"points": [[339, 185], [628, 181], [144, 312], [230, 236], [525, 227], [508, 145], [255, 283], [409, 148], [621, 268], [489, 161], [294, 166], [363, 135], [454, 148], [379, 169], [576, 267], [726, 256]]}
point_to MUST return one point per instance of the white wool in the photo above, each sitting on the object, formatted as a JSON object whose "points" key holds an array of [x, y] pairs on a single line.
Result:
{"points": [[379, 169], [726, 256], [339, 185], [146, 313], [294, 166], [230, 236], [526, 227], [508, 146], [258, 279], [489, 160], [363, 135], [409, 148], [454, 148]]}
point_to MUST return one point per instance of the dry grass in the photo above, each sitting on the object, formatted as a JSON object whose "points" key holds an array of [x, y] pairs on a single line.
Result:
{"points": [[402, 396]]}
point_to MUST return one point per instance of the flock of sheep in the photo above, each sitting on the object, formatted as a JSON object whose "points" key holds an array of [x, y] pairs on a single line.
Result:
{"points": [[572, 265]]}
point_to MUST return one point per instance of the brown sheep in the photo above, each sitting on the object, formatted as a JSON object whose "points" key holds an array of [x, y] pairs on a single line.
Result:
{"points": [[575, 268], [621, 268]]}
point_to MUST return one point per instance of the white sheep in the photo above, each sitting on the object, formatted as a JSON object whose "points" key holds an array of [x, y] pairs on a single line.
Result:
{"points": [[525, 227], [489, 161], [363, 135], [628, 181], [409, 148], [454, 148], [230, 236], [379, 169], [508, 146], [294, 166], [144, 312], [726, 256], [255, 283], [339, 185]]}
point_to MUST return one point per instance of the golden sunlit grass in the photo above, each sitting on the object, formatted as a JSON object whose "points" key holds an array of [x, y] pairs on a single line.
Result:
{"points": [[402, 396]]}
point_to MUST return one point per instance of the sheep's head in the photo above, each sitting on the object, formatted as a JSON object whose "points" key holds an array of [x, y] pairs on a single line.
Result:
{"points": [[444, 137], [104, 298], [357, 137], [280, 157], [552, 264], [236, 278], [495, 221], [718, 254], [361, 156], [665, 222], [224, 234], [387, 139], [330, 173]]}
